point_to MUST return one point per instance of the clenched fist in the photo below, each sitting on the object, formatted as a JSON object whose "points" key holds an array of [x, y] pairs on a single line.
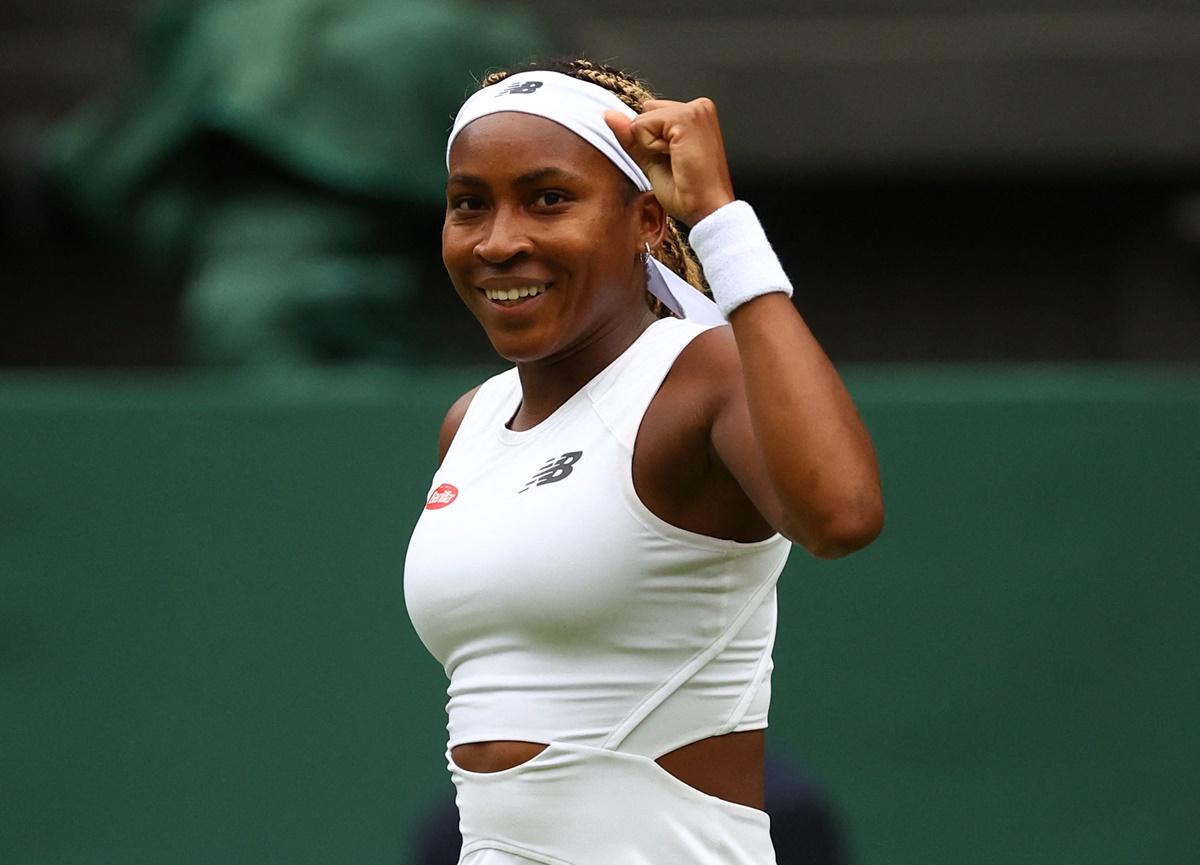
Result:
{"points": [[679, 147]]}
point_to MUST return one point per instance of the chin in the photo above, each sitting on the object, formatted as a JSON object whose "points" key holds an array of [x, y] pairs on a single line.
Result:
{"points": [[521, 346]]}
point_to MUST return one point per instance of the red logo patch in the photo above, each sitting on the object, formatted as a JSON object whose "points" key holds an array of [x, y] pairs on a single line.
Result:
{"points": [[442, 496]]}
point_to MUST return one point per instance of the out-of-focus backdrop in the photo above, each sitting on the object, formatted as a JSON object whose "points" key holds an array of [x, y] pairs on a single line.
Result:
{"points": [[226, 345]]}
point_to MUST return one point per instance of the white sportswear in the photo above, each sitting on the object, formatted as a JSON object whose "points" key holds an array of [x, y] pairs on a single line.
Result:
{"points": [[562, 609]]}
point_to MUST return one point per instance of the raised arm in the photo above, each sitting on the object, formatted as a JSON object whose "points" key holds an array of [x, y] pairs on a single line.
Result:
{"points": [[784, 424]]}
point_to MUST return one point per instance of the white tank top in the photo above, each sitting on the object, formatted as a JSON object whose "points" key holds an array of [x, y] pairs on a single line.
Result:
{"points": [[564, 610]]}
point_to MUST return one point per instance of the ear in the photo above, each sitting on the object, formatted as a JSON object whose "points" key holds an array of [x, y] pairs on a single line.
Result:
{"points": [[652, 219]]}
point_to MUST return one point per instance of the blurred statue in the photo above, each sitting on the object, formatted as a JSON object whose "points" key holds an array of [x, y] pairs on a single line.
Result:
{"points": [[288, 156]]}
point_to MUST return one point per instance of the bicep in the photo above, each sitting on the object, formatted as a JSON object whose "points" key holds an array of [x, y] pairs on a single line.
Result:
{"points": [[732, 436], [736, 448]]}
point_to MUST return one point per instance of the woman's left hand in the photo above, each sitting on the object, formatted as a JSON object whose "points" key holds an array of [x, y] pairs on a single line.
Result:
{"points": [[679, 146], [785, 427]]}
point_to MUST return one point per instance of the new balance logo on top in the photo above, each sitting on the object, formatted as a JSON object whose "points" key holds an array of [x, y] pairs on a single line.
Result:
{"points": [[525, 87], [555, 469]]}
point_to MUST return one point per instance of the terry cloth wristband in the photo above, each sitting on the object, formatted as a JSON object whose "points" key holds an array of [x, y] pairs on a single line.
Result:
{"points": [[737, 258]]}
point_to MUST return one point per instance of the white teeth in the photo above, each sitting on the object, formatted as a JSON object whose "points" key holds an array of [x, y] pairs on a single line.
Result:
{"points": [[514, 293]]}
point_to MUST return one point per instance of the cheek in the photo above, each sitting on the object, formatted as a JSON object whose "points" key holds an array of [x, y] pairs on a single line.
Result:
{"points": [[606, 244], [449, 245], [611, 251], [457, 251]]}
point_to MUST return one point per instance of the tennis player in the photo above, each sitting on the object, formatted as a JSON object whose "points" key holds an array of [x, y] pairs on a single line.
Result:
{"points": [[596, 563]]}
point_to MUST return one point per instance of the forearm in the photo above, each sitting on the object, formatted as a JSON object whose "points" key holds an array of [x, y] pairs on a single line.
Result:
{"points": [[815, 449]]}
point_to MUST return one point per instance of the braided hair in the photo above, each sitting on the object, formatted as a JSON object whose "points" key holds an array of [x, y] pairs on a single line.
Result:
{"points": [[674, 251]]}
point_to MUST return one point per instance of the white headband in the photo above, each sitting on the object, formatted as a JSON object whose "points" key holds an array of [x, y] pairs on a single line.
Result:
{"points": [[579, 106]]}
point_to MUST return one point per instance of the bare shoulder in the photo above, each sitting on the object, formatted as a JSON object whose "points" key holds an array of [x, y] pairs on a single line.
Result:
{"points": [[453, 421], [678, 471], [699, 384], [709, 367]]}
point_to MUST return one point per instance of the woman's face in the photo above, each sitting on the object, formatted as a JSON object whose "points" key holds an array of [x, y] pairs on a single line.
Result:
{"points": [[541, 236]]}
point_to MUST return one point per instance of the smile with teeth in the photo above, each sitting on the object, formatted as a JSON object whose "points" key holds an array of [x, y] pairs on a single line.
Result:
{"points": [[519, 293]]}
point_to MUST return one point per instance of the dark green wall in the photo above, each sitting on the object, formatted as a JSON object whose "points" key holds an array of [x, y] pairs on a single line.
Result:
{"points": [[204, 654]]}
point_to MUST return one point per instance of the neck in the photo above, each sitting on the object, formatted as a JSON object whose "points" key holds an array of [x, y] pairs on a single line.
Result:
{"points": [[547, 384]]}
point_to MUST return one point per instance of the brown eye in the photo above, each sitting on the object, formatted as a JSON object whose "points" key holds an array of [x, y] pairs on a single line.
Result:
{"points": [[550, 199]]}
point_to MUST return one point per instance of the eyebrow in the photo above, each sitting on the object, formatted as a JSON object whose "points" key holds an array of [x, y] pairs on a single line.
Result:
{"points": [[529, 178]]}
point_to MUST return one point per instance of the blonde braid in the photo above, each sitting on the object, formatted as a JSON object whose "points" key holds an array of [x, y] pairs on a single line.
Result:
{"points": [[674, 252]]}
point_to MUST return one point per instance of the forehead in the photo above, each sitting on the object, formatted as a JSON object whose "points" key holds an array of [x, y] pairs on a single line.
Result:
{"points": [[510, 143]]}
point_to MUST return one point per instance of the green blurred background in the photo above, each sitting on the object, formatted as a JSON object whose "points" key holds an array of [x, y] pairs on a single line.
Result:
{"points": [[226, 343], [205, 655]]}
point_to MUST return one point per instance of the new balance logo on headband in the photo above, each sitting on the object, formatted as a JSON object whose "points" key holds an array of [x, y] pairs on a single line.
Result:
{"points": [[554, 470], [524, 87]]}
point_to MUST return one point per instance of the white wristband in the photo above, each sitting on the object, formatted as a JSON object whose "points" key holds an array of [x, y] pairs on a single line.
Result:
{"points": [[737, 258]]}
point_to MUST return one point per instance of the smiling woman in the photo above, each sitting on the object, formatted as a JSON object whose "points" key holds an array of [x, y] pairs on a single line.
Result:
{"points": [[522, 184], [601, 586]]}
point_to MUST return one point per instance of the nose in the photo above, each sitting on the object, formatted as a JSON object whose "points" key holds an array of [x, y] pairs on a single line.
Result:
{"points": [[505, 237]]}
